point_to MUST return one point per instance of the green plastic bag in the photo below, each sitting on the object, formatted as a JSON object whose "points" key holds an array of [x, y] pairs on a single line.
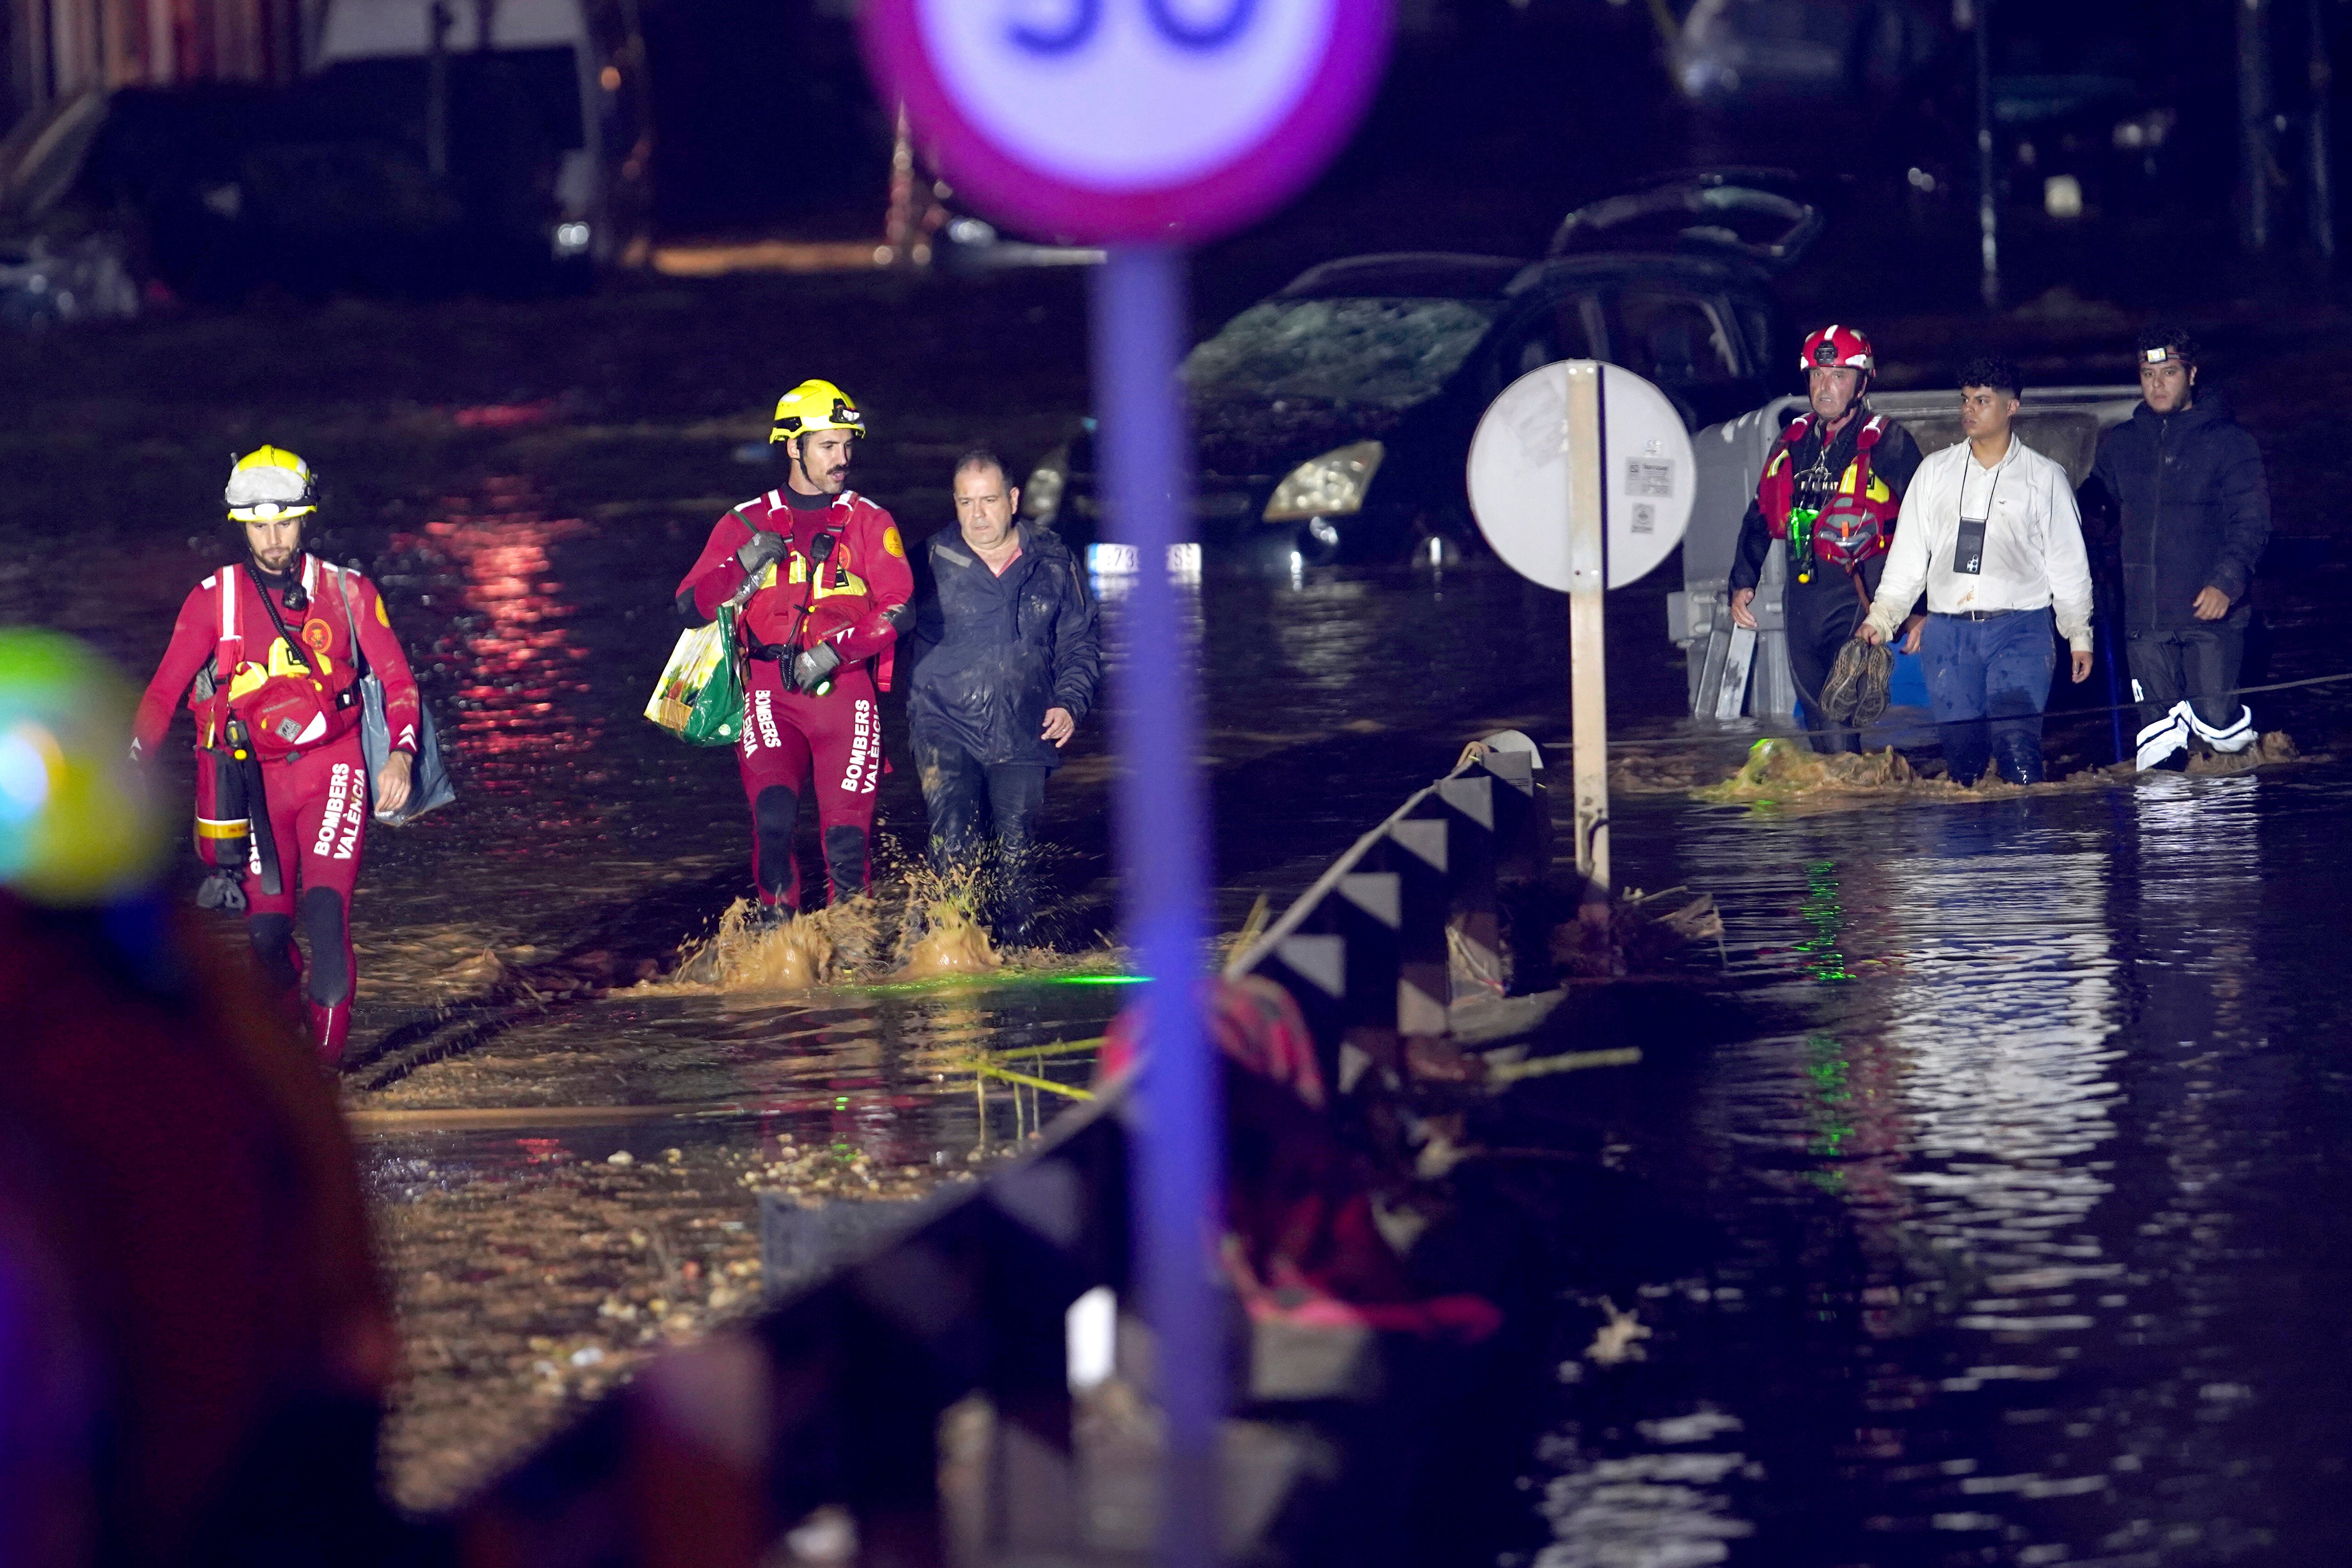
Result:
{"points": [[699, 697]]}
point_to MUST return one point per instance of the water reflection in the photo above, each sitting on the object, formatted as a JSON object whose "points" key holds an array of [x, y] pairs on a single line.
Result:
{"points": [[1984, 1254], [487, 562]]}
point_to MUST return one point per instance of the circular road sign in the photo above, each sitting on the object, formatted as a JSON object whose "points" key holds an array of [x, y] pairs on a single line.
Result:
{"points": [[1518, 475], [1123, 121]]}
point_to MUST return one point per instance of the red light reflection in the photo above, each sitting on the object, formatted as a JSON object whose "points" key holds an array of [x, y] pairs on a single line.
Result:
{"points": [[516, 654]]}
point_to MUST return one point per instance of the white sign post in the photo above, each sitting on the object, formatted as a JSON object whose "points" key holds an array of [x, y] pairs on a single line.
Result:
{"points": [[1581, 478], [1143, 124]]}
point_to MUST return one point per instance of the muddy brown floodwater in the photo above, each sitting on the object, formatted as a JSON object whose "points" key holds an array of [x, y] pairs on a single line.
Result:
{"points": [[1995, 1221]]}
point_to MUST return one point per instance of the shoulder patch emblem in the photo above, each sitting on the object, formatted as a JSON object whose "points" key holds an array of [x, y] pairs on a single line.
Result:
{"points": [[381, 618], [892, 544]]}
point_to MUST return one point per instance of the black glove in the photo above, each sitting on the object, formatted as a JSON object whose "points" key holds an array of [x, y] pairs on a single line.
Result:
{"points": [[815, 667], [761, 550], [221, 890]]}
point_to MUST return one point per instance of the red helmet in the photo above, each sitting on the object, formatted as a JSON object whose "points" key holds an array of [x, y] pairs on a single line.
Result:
{"points": [[1834, 346]]}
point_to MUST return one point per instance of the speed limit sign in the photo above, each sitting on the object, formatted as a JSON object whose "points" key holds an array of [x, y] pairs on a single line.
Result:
{"points": [[1112, 120]]}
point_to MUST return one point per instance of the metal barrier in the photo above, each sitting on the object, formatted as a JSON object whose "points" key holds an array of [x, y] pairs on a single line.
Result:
{"points": [[835, 1396]]}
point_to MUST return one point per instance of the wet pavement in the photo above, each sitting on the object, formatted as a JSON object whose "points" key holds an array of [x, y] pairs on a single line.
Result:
{"points": [[1992, 1219]]}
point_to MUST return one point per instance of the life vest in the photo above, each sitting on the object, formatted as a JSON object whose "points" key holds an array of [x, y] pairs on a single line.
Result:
{"points": [[279, 705], [1857, 519], [773, 617]]}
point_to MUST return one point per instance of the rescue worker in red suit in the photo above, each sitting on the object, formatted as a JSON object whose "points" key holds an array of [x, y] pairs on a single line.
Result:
{"points": [[268, 646], [820, 582], [1830, 494]]}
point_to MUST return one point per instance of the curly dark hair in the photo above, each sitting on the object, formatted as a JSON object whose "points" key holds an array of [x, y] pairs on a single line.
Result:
{"points": [[2170, 336], [1997, 372]]}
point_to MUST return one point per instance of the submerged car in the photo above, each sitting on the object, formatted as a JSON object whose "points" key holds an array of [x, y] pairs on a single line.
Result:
{"points": [[1333, 419]]}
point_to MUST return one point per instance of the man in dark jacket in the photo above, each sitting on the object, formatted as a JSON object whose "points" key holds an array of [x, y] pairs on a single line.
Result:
{"points": [[2195, 513], [1006, 658]]}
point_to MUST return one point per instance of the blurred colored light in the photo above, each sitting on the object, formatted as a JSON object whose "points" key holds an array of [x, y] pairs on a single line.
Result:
{"points": [[1100, 979], [29, 762], [76, 825]]}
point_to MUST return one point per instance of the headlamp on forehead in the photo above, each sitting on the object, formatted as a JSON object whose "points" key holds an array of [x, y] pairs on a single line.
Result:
{"points": [[269, 512], [2158, 356]]}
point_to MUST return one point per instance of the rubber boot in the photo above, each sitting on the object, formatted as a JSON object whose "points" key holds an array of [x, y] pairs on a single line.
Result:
{"points": [[330, 1028], [2021, 760], [2165, 743]]}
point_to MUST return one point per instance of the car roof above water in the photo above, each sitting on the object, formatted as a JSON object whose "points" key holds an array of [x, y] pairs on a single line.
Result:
{"points": [[1408, 275]]}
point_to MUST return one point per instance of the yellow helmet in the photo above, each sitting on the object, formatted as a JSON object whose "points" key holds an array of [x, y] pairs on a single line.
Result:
{"points": [[269, 483], [816, 406]]}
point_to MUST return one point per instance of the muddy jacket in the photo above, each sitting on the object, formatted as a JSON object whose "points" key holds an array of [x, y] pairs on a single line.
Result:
{"points": [[2196, 508], [1883, 474], [858, 602], [224, 632], [991, 653]]}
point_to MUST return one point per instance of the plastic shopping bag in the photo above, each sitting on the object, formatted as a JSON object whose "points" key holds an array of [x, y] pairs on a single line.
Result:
{"points": [[699, 697], [429, 784]]}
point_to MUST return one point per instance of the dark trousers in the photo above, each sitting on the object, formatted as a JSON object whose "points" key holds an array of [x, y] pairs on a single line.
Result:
{"points": [[2197, 662], [969, 801], [1987, 682], [1821, 616]]}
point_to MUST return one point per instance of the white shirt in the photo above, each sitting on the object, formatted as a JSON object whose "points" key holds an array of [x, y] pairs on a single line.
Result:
{"points": [[2033, 554]]}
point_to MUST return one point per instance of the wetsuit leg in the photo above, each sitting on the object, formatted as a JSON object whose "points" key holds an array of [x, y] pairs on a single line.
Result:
{"points": [[2021, 655], [1017, 794], [1821, 616], [842, 731], [269, 917], [318, 813], [774, 759], [955, 797], [280, 961], [1954, 665]]}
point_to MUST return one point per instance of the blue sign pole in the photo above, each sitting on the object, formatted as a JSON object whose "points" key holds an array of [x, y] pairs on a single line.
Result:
{"points": [[1139, 313]]}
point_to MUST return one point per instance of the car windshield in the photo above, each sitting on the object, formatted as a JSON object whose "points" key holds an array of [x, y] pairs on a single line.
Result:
{"points": [[1388, 354]]}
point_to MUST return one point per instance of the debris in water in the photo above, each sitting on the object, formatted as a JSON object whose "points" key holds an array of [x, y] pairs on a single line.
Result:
{"points": [[620, 1157], [1777, 767], [1639, 934], [1618, 1340]]}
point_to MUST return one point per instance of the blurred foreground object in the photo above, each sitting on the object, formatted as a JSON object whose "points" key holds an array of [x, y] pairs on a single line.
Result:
{"points": [[192, 1340], [77, 827]]}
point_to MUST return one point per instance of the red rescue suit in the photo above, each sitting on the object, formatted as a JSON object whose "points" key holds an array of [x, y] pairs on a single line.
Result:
{"points": [[794, 743], [1857, 517], [264, 716]]}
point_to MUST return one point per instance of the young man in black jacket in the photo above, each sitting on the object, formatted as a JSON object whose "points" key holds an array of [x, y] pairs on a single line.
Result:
{"points": [[1006, 657], [2187, 482]]}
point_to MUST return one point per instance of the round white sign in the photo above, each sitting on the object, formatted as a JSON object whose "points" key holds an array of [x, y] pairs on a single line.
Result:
{"points": [[1122, 120], [1126, 95], [1519, 475]]}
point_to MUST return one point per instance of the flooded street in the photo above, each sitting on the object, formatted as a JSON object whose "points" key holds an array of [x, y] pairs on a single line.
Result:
{"points": [[2011, 1234], [1989, 1214]]}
